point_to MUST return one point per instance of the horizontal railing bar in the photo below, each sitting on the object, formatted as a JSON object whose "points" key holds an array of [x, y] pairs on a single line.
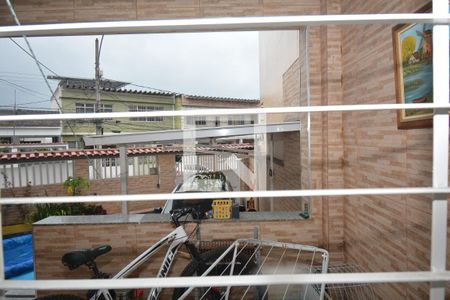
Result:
{"points": [[221, 195], [216, 24], [238, 111], [243, 280]]}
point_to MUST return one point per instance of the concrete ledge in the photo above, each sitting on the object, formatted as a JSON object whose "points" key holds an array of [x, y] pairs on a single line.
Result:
{"points": [[158, 218], [95, 219]]}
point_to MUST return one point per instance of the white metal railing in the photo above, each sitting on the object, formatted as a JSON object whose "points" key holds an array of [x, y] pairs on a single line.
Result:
{"points": [[439, 218], [241, 194], [438, 274], [234, 111], [242, 280], [191, 164], [104, 168], [35, 173], [218, 24]]}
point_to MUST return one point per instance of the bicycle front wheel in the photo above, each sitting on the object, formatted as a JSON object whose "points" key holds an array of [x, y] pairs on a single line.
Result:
{"points": [[244, 265]]}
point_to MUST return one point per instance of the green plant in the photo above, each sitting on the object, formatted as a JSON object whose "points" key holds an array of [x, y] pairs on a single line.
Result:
{"points": [[75, 185], [65, 209], [8, 184]]}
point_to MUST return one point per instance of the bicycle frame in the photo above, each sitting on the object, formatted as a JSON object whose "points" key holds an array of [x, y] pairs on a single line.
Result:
{"points": [[176, 238]]}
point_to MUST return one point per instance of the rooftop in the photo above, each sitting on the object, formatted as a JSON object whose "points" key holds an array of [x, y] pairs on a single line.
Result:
{"points": [[108, 85], [84, 83], [118, 90], [15, 157], [225, 99]]}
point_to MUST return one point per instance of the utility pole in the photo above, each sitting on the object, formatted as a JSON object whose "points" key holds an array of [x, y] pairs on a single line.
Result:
{"points": [[13, 140], [98, 123]]}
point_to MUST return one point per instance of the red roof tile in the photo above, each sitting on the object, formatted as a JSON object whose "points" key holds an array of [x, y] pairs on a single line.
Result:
{"points": [[98, 153]]}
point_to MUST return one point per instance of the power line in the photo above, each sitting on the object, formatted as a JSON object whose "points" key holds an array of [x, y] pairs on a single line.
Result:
{"points": [[25, 89], [32, 56], [13, 14], [21, 74], [29, 107], [35, 102]]}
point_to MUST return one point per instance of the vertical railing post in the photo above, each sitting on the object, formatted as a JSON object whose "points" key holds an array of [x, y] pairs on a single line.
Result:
{"points": [[440, 148], [123, 158]]}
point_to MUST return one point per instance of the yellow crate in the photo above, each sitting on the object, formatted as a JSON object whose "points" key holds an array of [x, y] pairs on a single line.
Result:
{"points": [[221, 209]]}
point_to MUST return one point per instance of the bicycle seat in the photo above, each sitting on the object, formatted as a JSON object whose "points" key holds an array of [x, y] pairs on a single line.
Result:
{"points": [[74, 259]]}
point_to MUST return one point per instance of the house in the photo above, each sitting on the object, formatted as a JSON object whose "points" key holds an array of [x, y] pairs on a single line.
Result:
{"points": [[76, 95], [189, 102], [19, 134]]}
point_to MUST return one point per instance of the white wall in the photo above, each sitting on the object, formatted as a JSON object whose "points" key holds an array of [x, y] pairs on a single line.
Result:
{"points": [[30, 131], [277, 51]]}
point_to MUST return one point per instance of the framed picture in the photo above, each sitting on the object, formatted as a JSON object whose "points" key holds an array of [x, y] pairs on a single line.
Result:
{"points": [[413, 62]]}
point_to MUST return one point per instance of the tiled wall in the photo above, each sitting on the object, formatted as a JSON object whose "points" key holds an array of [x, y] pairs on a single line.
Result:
{"points": [[384, 233], [129, 240], [43, 11]]}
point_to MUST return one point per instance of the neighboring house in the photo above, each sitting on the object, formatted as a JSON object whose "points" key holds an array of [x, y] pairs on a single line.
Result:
{"points": [[201, 102], [78, 96], [13, 134]]}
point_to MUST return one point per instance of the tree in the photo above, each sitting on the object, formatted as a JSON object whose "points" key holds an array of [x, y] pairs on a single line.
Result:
{"points": [[408, 47]]}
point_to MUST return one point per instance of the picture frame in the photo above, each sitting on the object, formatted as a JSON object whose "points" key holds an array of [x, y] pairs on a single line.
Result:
{"points": [[413, 64]]}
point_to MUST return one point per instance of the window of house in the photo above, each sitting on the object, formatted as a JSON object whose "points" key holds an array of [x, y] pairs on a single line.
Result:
{"points": [[232, 121], [106, 108], [84, 108], [73, 145], [135, 108], [200, 121], [107, 162], [5, 140]]}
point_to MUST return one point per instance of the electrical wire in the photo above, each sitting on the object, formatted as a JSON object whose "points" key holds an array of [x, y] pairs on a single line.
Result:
{"points": [[21, 77], [30, 107], [30, 55], [13, 14], [34, 102], [25, 89], [21, 73]]}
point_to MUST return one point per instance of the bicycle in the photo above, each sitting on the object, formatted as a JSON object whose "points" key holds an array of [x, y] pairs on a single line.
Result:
{"points": [[233, 260]]}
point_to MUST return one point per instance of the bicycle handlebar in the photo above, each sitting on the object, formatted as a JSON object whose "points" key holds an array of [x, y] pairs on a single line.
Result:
{"points": [[177, 214]]}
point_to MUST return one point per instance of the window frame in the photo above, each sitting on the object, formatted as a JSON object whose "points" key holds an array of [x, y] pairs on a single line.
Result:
{"points": [[438, 273], [145, 108]]}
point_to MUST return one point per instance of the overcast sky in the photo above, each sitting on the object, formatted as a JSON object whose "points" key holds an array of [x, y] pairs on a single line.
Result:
{"points": [[210, 64]]}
